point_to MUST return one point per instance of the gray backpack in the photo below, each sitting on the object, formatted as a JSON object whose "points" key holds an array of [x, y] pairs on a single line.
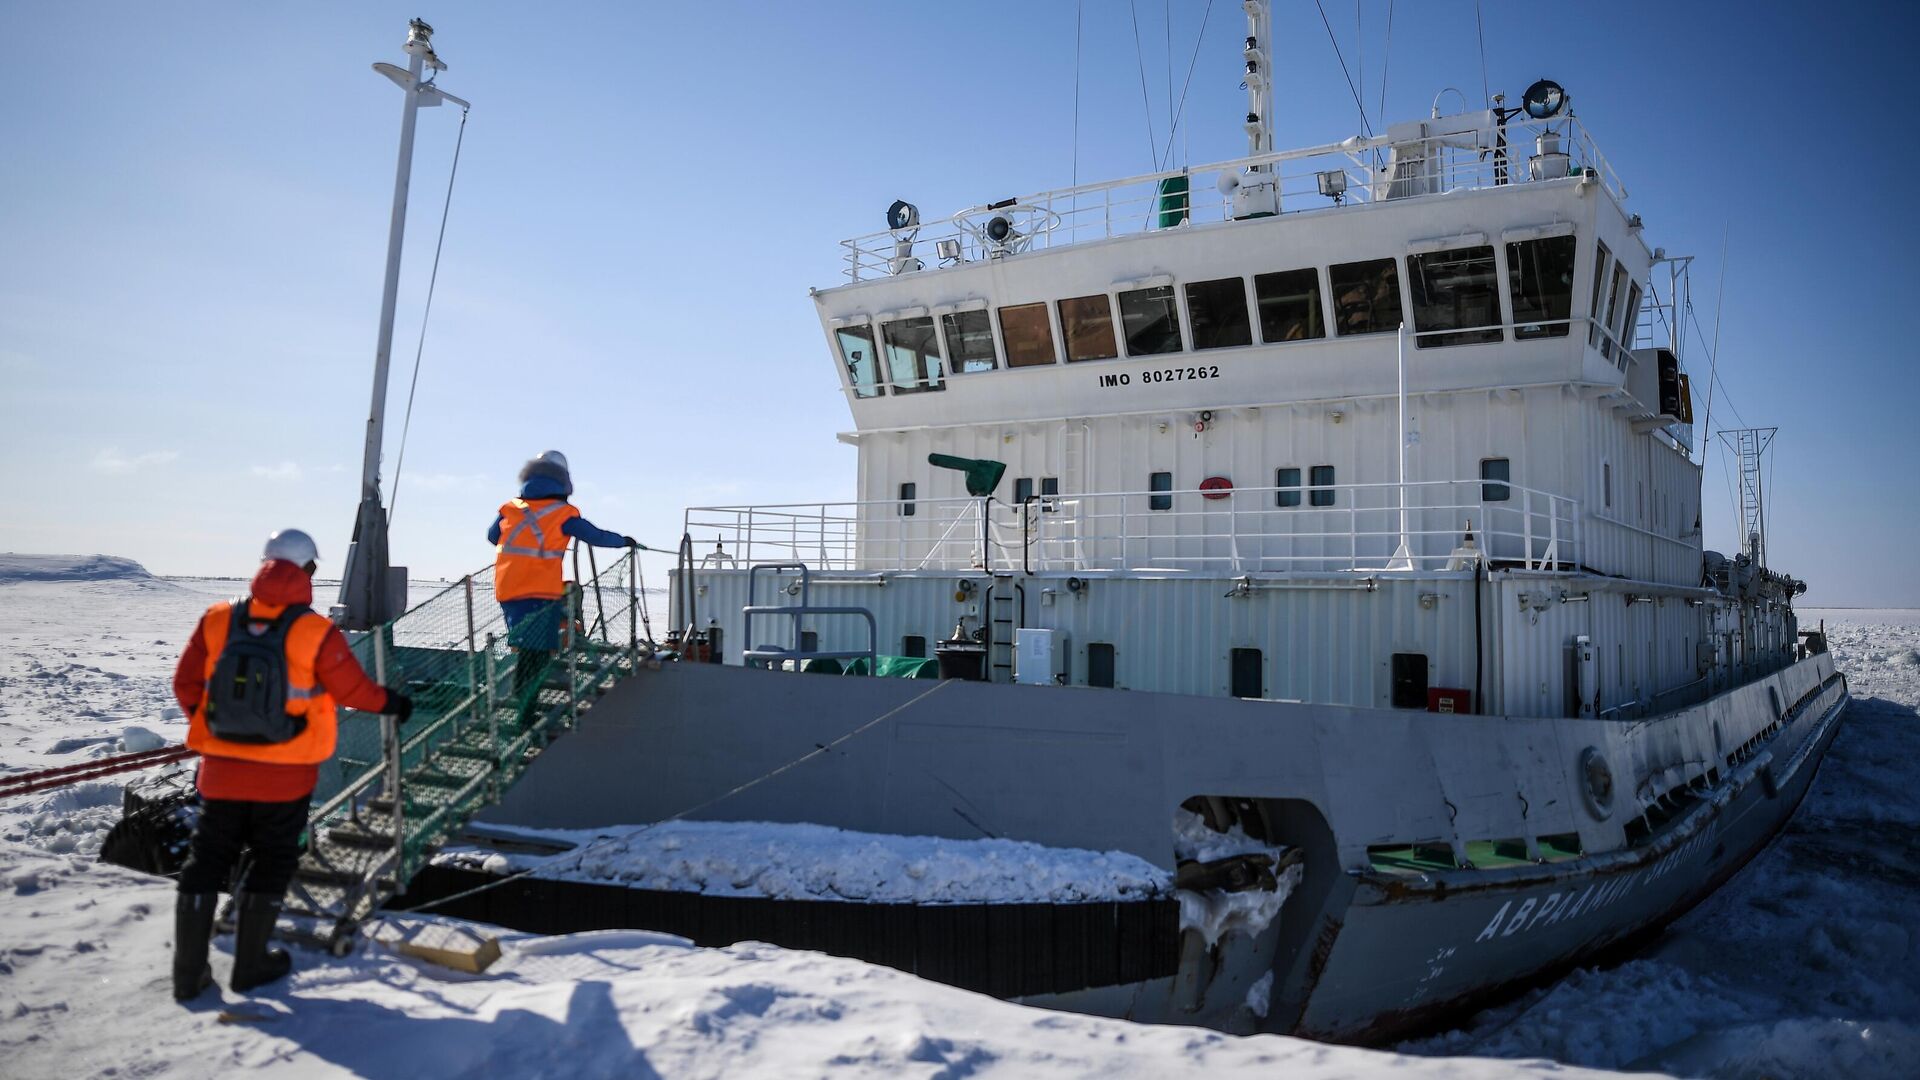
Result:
{"points": [[247, 697]]}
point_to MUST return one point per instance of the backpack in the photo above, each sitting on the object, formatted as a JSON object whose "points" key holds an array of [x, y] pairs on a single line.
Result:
{"points": [[247, 696]]}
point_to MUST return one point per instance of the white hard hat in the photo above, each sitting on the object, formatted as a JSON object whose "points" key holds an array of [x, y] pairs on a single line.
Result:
{"points": [[555, 457], [293, 546]]}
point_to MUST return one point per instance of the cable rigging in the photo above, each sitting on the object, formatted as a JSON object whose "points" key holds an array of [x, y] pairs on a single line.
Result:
{"points": [[1343, 68], [1181, 110], [433, 280], [1146, 105]]}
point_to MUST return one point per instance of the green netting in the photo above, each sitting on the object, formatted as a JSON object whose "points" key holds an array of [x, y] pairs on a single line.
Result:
{"points": [[897, 667]]}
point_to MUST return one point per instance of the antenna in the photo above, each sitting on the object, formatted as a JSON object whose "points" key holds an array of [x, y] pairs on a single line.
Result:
{"points": [[1749, 445], [372, 591]]}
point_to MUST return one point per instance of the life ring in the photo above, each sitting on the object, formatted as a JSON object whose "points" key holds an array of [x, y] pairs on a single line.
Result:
{"points": [[1216, 487]]}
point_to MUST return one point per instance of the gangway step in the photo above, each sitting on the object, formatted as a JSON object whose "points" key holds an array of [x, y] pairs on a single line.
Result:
{"points": [[357, 838], [340, 879]]}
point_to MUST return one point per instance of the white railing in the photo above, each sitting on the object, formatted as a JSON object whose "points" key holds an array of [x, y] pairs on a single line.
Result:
{"points": [[1375, 169], [1343, 527]]}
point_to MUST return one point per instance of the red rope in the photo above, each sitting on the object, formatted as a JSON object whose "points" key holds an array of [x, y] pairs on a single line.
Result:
{"points": [[46, 779]]}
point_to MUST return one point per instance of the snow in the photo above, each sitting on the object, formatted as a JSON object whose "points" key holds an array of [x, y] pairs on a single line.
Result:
{"points": [[814, 862], [1806, 963], [69, 568]]}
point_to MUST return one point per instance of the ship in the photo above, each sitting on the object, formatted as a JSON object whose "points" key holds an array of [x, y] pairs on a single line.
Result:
{"points": [[1341, 504]]}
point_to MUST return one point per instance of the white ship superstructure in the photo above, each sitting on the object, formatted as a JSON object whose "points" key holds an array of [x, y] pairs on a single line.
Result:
{"points": [[1260, 421]]}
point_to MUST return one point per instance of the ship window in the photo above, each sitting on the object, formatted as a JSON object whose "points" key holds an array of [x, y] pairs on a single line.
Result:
{"points": [[1087, 324], [1247, 680], [1495, 468], [1049, 487], [1151, 321], [1630, 319], [857, 352], [1606, 484], [1366, 297], [1322, 492], [1027, 335], [1099, 663], [1540, 283], [913, 355], [913, 645], [809, 641], [1613, 308], [969, 340], [1023, 490], [1409, 672], [907, 494], [1594, 334], [1160, 481], [1288, 481], [1218, 312], [1454, 291], [1289, 305]]}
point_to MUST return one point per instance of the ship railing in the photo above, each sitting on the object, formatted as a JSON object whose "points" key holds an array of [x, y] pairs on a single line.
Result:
{"points": [[1463, 152], [1423, 525]]}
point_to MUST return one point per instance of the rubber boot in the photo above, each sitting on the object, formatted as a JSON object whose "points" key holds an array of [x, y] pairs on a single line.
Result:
{"points": [[192, 929], [254, 964]]}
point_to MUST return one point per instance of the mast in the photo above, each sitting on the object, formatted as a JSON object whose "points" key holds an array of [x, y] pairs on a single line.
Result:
{"points": [[371, 590], [1750, 448], [1259, 76]]}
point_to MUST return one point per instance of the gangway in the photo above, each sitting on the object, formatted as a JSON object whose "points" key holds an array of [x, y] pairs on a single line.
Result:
{"points": [[483, 709]]}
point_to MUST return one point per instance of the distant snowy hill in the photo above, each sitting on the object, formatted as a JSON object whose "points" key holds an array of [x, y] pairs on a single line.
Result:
{"points": [[15, 567]]}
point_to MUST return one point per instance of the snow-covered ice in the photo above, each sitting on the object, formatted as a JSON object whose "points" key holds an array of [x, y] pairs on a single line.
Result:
{"points": [[1807, 963]]}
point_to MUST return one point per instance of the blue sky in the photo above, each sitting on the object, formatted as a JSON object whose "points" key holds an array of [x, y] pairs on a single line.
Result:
{"points": [[193, 212]]}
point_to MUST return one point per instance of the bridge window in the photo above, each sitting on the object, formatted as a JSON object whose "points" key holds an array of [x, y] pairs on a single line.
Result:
{"points": [[1288, 481], [1540, 286], [1218, 312], [1613, 307], [1366, 297], [1023, 491], [913, 355], [908, 492], [862, 360], [1630, 319], [1596, 337], [1289, 305], [1322, 492], [1027, 335], [1160, 481], [1495, 468], [1151, 321], [1455, 291], [1087, 324], [969, 340]]}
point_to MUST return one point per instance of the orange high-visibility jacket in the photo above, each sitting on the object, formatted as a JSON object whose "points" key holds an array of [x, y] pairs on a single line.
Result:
{"points": [[305, 696], [530, 561]]}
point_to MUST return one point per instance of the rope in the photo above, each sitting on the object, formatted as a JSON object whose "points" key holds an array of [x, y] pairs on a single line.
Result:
{"points": [[755, 782], [1386, 62], [47, 779], [432, 280], [1181, 110], [1480, 30], [1343, 68], [1140, 58]]}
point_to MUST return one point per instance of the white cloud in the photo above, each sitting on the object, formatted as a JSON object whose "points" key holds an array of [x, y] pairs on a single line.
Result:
{"points": [[284, 471], [109, 459]]}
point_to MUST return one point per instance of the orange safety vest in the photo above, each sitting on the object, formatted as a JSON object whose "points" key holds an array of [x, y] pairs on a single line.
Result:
{"points": [[305, 696], [530, 562]]}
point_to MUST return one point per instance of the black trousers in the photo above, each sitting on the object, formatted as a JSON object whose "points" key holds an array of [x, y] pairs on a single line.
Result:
{"points": [[267, 833]]}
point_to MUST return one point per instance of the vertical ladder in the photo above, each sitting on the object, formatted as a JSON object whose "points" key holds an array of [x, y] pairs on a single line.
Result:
{"points": [[1006, 601]]}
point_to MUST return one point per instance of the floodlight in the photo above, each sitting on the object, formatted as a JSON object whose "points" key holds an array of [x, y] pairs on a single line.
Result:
{"points": [[902, 215], [1544, 100]]}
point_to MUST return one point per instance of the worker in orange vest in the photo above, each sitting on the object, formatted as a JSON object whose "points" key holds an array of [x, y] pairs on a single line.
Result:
{"points": [[530, 538], [260, 679]]}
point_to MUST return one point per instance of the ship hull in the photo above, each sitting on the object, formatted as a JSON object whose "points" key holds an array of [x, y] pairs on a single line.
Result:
{"points": [[1357, 954]]}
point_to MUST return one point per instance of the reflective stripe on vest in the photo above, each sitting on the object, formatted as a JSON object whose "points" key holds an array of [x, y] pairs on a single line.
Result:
{"points": [[532, 549], [305, 696]]}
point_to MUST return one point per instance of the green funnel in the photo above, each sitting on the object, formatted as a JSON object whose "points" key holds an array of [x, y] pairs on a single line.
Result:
{"points": [[982, 475]]}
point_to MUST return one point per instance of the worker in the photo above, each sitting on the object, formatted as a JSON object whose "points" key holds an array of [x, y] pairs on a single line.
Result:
{"points": [[259, 679], [530, 542]]}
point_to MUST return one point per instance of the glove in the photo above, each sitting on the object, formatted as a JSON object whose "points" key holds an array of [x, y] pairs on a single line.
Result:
{"points": [[399, 706]]}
